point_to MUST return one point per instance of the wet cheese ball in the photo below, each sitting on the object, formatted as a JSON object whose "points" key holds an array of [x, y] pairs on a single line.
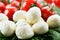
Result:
{"points": [[24, 30], [40, 27], [7, 28], [53, 21], [3, 17], [19, 15], [33, 15]]}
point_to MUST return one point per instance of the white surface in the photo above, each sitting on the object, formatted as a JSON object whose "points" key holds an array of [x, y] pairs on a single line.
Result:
{"points": [[7, 28], [33, 15], [54, 21], [24, 30], [40, 28]]}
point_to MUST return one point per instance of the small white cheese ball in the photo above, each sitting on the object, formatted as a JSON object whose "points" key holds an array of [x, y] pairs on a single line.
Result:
{"points": [[24, 30], [40, 28], [3, 17], [20, 21], [7, 28], [19, 15], [53, 21], [33, 15]]}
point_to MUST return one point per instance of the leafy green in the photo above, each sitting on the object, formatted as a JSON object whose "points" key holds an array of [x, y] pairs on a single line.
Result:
{"points": [[55, 35], [57, 10]]}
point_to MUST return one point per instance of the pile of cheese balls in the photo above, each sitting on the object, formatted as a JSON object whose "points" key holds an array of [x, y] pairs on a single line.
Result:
{"points": [[26, 24]]}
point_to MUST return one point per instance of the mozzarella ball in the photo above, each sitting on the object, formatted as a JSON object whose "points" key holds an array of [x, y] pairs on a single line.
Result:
{"points": [[7, 28], [19, 15], [40, 27], [3, 17], [20, 21], [33, 15], [53, 21], [24, 30]]}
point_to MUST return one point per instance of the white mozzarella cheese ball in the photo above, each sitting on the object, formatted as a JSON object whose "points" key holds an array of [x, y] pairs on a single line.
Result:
{"points": [[19, 15], [33, 15], [20, 21], [53, 21], [24, 30], [3, 17], [40, 28], [7, 28]]}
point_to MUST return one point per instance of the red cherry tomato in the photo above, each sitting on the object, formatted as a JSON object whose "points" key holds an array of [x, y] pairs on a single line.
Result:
{"points": [[2, 7], [17, 0], [46, 13], [15, 4], [32, 1], [6, 2], [10, 11], [57, 3], [27, 4]]}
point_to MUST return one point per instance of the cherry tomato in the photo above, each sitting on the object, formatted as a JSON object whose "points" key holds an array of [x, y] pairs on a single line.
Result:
{"points": [[10, 11], [2, 7], [32, 1], [57, 3], [46, 13], [15, 4], [17, 0], [5, 2], [25, 6]]}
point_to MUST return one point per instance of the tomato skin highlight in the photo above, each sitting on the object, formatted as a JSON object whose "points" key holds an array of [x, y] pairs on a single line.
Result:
{"points": [[15, 4], [2, 7], [0, 11], [10, 11], [27, 4]]}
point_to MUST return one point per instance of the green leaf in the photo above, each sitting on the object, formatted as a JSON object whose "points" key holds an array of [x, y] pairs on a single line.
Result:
{"points": [[55, 35], [57, 10]]}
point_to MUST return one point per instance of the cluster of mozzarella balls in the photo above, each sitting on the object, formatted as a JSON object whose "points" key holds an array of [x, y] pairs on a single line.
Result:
{"points": [[26, 24]]}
